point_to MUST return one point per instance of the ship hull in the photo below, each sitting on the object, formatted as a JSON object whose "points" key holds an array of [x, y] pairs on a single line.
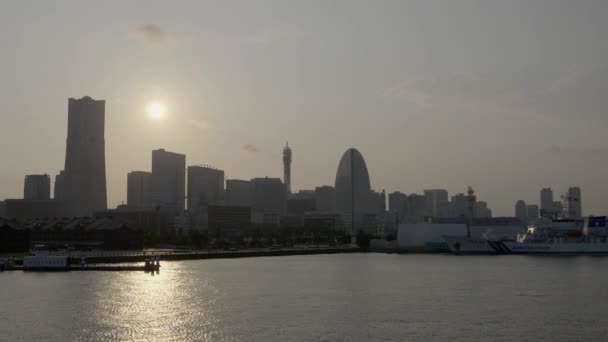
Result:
{"points": [[483, 246]]}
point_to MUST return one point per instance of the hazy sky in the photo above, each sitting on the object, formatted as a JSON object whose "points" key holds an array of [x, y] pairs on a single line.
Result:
{"points": [[508, 96]]}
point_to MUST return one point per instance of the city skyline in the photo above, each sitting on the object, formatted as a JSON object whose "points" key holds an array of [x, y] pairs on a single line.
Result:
{"points": [[422, 93]]}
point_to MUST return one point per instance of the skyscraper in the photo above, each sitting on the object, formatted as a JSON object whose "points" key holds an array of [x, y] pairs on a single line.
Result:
{"points": [[268, 195], [205, 187], [287, 168], [238, 193], [575, 206], [37, 187], [435, 200], [532, 211], [168, 180], [546, 202], [353, 190], [139, 188], [83, 188], [521, 211]]}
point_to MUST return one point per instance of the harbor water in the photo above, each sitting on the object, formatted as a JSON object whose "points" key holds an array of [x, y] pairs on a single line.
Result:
{"points": [[342, 297]]}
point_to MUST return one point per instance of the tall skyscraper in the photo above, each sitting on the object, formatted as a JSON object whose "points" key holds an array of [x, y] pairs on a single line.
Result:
{"points": [[139, 189], [83, 185], [238, 193], [353, 191], [168, 180], [532, 211], [268, 195], [546, 202], [435, 200], [37, 187], [287, 168], [205, 187], [575, 206], [521, 211]]}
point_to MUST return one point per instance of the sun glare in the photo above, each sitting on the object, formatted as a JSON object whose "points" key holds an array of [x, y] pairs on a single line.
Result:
{"points": [[156, 110]]}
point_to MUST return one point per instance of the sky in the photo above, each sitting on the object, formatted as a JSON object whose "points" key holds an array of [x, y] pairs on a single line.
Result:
{"points": [[507, 96]]}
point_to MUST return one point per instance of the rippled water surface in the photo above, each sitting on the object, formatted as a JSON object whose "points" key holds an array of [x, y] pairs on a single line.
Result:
{"points": [[349, 297]]}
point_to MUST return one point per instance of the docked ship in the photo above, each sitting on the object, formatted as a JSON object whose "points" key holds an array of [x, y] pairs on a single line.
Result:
{"points": [[589, 236]]}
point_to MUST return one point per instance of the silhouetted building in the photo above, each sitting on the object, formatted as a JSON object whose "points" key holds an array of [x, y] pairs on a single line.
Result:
{"points": [[575, 206], [353, 191], [227, 220], [37, 187], [59, 189], [21, 209], [168, 180], [435, 201], [546, 202], [287, 168], [2, 209], [268, 196], [482, 211], [139, 189], [521, 211], [83, 184], [397, 204], [13, 239], [238, 193], [322, 220], [205, 187], [532, 211], [300, 205], [326, 198]]}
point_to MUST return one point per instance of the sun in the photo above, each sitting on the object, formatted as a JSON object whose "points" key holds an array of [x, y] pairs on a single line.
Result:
{"points": [[156, 110]]}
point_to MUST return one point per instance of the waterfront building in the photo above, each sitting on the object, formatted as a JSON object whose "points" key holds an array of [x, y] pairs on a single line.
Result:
{"points": [[139, 189], [436, 199], [238, 193], [205, 187], [532, 212], [353, 191], [226, 221], [546, 202], [83, 184], [37, 187], [168, 180], [521, 211], [268, 197], [574, 202], [287, 168], [482, 210], [21, 209], [326, 198]]}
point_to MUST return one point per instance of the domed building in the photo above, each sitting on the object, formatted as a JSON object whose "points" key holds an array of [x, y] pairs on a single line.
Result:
{"points": [[353, 190]]}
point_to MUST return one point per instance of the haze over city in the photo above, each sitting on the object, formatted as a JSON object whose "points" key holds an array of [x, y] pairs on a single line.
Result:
{"points": [[434, 96]]}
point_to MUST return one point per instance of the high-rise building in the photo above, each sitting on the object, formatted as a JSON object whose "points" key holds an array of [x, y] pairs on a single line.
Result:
{"points": [[326, 198], [521, 211], [139, 189], [238, 193], [268, 196], [353, 191], [435, 200], [397, 203], [287, 168], [82, 187], [546, 202], [574, 201], [168, 180], [205, 187], [482, 210], [59, 189], [37, 187], [532, 211]]}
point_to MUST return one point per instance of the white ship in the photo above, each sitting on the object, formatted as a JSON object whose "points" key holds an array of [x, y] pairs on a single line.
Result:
{"points": [[560, 236]]}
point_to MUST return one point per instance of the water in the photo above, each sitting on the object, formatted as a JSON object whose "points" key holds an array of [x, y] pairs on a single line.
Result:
{"points": [[348, 297]]}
